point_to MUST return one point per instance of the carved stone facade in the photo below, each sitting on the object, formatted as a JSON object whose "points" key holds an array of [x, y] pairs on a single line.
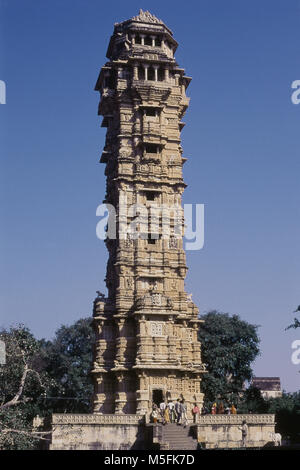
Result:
{"points": [[147, 347]]}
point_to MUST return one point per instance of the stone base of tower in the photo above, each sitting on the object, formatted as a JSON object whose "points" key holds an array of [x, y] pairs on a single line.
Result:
{"points": [[131, 432], [98, 432], [136, 391]]}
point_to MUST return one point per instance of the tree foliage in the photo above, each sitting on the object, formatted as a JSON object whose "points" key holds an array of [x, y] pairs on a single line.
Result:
{"points": [[23, 386], [229, 346], [41, 378], [68, 361], [287, 415], [252, 401], [296, 323], [286, 409]]}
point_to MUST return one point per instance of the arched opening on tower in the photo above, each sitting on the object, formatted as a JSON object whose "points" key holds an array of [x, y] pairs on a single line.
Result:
{"points": [[141, 73], [148, 41], [157, 396], [160, 74], [151, 73]]}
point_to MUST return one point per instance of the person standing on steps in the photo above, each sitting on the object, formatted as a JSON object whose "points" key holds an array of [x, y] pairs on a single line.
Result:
{"points": [[162, 408], [171, 407], [195, 412], [154, 415], [178, 411], [167, 415], [183, 413]]}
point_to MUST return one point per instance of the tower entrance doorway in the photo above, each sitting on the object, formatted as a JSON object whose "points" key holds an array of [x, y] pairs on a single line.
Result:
{"points": [[157, 396]]}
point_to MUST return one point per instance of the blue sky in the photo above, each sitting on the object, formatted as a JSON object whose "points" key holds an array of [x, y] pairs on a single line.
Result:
{"points": [[241, 139]]}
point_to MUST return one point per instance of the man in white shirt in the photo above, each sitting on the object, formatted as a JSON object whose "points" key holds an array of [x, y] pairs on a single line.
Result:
{"points": [[162, 408], [171, 407]]}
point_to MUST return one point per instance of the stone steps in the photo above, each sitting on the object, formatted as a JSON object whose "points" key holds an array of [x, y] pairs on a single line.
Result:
{"points": [[178, 437]]}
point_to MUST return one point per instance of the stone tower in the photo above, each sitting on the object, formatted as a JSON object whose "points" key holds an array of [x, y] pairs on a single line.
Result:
{"points": [[146, 347]]}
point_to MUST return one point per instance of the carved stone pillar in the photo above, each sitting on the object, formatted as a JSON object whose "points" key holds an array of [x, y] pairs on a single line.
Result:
{"points": [[143, 395], [146, 71], [142, 341], [120, 342], [120, 400], [199, 397], [166, 74], [99, 396]]}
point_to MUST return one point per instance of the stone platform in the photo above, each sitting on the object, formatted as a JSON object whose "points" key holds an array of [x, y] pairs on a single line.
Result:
{"points": [[97, 432], [125, 432]]}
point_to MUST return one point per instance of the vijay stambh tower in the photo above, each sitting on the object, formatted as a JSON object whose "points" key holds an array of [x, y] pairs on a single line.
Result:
{"points": [[147, 348]]}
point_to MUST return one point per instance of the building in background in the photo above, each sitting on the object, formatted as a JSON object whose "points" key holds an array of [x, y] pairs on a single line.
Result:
{"points": [[270, 387]]}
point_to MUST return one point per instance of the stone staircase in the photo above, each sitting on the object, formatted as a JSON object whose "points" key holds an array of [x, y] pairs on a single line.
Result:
{"points": [[175, 437]]}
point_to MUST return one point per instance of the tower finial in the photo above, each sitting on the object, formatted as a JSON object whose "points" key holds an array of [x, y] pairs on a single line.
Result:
{"points": [[146, 17]]}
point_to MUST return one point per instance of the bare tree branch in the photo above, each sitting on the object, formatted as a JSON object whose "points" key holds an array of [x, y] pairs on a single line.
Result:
{"points": [[16, 399], [17, 396]]}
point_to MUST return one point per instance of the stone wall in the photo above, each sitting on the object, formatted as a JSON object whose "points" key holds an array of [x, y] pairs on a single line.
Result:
{"points": [[97, 432], [125, 432], [223, 431]]}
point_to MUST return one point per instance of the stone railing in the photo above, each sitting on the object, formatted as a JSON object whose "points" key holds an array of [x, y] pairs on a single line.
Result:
{"points": [[164, 84], [236, 419], [82, 419], [151, 157]]}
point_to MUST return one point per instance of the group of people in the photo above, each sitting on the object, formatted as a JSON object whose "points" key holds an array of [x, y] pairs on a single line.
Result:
{"points": [[170, 412], [220, 410]]}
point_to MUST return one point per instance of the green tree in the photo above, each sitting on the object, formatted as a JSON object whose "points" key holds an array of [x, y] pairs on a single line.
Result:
{"points": [[252, 401], [287, 415], [229, 346], [41, 378], [68, 361], [296, 323], [23, 386]]}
